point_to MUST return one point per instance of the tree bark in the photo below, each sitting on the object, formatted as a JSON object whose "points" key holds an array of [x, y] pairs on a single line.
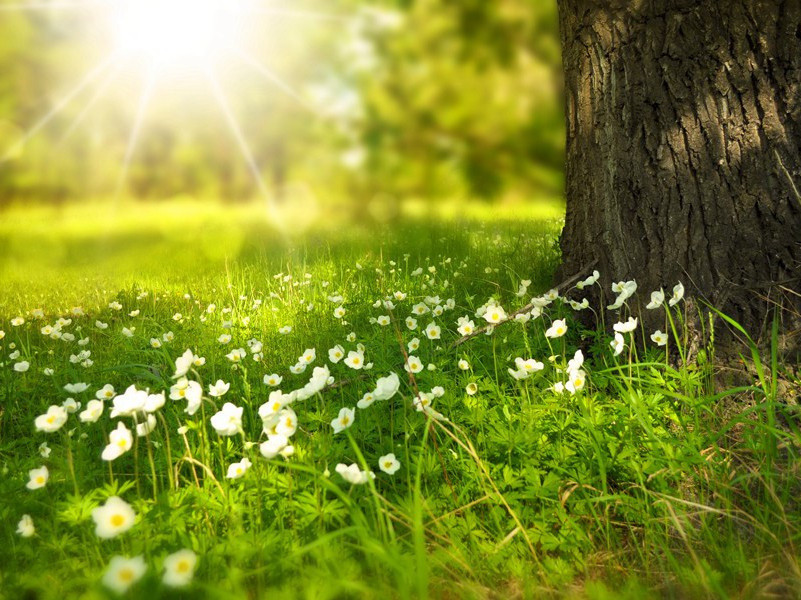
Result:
{"points": [[683, 148]]}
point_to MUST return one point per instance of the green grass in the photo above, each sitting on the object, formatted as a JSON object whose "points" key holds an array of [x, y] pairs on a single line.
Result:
{"points": [[651, 481]]}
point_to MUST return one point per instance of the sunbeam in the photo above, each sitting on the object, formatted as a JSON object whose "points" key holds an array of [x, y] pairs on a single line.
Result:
{"points": [[141, 109], [60, 105], [244, 147], [271, 77], [101, 89]]}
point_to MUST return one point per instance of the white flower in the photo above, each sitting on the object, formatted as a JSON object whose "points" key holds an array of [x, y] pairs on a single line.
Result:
{"points": [[183, 363], [297, 369], [388, 464], [228, 421], [433, 331], [128, 331], [383, 320], [129, 403], [25, 526], [336, 354], [386, 387], [422, 402], [353, 474], [179, 568], [627, 327], [52, 420], [76, 388], [94, 409], [579, 305], [625, 290], [286, 424], [44, 450], [471, 389], [308, 356], [101, 325], [678, 294], [413, 364], [339, 312], [273, 380], [123, 572], [238, 469], [143, 429], [17, 321], [224, 338], [494, 315], [366, 401], [413, 344], [154, 402], [576, 381], [591, 280], [219, 389], [237, 355], [463, 365], [659, 338], [37, 478], [120, 441], [113, 518], [355, 360], [557, 329], [420, 309], [344, 419], [22, 366], [618, 344], [274, 445], [411, 323], [106, 392], [657, 299]]}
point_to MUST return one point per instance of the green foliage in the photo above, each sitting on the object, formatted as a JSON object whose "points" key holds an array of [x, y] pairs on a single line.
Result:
{"points": [[429, 98]]}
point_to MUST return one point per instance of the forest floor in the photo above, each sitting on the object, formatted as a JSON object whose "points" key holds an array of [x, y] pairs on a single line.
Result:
{"points": [[398, 460]]}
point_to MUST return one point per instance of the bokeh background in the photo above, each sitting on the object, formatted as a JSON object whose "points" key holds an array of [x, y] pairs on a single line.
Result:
{"points": [[394, 102]]}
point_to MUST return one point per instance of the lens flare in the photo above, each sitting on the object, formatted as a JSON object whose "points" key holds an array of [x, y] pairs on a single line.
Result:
{"points": [[169, 32]]}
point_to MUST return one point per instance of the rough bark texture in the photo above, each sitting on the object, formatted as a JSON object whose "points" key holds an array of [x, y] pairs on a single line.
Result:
{"points": [[684, 147]]}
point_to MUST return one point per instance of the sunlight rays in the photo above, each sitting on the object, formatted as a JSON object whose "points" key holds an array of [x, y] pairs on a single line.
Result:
{"points": [[271, 77], [141, 109], [60, 105], [244, 147], [99, 92], [150, 34]]}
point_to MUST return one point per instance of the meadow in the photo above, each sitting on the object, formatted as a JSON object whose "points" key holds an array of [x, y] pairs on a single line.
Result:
{"points": [[195, 403]]}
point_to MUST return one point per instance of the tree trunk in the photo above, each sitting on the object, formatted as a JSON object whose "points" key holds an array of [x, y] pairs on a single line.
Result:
{"points": [[683, 148]]}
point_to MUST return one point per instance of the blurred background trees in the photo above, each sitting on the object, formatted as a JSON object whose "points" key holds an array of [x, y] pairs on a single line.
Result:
{"points": [[407, 99]]}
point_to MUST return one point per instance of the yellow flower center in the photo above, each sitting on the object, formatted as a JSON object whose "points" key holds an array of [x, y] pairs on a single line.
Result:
{"points": [[51, 419], [117, 520], [182, 566], [40, 480]]}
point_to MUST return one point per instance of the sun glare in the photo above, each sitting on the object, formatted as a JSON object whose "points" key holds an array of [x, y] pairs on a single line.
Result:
{"points": [[186, 33]]}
